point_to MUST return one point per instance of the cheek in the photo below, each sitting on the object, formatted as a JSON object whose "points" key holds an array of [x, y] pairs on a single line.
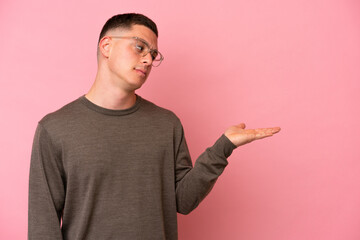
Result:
{"points": [[123, 56], [120, 62]]}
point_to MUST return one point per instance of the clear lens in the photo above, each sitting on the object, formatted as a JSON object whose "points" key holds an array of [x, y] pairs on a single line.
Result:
{"points": [[156, 63], [143, 49], [154, 55]]}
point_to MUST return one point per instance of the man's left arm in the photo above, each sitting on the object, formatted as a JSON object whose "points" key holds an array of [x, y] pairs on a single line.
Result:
{"points": [[193, 184]]}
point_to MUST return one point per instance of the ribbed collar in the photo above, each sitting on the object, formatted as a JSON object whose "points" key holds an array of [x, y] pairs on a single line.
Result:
{"points": [[112, 112]]}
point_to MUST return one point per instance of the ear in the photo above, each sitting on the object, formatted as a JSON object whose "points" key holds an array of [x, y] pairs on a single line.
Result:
{"points": [[105, 46]]}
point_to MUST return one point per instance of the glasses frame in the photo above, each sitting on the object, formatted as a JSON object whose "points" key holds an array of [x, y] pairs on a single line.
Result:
{"points": [[150, 50]]}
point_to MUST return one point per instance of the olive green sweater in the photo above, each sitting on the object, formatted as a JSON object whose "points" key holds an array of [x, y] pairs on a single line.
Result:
{"points": [[99, 174]]}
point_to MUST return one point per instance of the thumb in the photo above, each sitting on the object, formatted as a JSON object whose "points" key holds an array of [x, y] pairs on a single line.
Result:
{"points": [[241, 125]]}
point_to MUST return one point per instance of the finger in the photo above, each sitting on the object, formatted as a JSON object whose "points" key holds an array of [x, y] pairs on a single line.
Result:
{"points": [[276, 129], [269, 130], [265, 132], [261, 136], [241, 125]]}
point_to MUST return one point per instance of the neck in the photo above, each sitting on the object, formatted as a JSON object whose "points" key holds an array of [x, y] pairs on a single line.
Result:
{"points": [[106, 95]]}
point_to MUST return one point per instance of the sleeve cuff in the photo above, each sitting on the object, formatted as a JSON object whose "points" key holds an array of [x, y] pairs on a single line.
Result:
{"points": [[223, 146]]}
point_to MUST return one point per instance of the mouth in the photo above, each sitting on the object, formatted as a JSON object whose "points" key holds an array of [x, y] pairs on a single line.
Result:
{"points": [[142, 72]]}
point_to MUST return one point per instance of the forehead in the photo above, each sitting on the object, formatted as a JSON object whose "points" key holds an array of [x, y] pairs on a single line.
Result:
{"points": [[142, 32]]}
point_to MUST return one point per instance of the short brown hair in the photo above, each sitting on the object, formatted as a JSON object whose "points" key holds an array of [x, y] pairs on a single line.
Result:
{"points": [[126, 21]]}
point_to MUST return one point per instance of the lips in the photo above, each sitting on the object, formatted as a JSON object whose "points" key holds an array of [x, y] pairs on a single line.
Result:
{"points": [[141, 71]]}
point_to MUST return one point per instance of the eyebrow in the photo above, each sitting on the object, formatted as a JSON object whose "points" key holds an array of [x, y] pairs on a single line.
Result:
{"points": [[147, 43]]}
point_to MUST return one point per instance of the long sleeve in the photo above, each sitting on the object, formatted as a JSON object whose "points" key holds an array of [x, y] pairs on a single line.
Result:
{"points": [[46, 189], [193, 184]]}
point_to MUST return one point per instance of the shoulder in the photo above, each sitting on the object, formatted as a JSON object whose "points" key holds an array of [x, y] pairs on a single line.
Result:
{"points": [[62, 115], [160, 113], [163, 118]]}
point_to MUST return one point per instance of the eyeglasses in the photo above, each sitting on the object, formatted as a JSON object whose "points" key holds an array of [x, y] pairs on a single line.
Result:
{"points": [[143, 48]]}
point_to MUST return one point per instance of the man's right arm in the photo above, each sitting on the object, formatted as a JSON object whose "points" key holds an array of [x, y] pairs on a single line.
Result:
{"points": [[46, 189]]}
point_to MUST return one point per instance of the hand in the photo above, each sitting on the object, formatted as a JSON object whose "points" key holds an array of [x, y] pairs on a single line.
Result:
{"points": [[238, 135]]}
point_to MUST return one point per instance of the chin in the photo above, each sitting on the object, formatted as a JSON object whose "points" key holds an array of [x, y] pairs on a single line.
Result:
{"points": [[137, 84]]}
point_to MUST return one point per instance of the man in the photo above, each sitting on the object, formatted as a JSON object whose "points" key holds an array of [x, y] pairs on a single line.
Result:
{"points": [[112, 165]]}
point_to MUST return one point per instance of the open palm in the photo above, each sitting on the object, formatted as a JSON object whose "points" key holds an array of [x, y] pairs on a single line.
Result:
{"points": [[238, 135]]}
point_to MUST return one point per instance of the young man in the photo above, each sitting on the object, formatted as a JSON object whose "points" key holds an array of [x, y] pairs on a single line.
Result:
{"points": [[112, 165]]}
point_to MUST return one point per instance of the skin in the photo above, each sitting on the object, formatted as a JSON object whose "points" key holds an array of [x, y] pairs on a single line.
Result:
{"points": [[121, 71], [118, 73]]}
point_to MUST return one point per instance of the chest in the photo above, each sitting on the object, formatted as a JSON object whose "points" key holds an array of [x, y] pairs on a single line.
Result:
{"points": [[118, 149]]}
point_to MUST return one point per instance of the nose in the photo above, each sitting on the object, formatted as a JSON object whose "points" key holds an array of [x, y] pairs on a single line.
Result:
{"points": [[147, 59]]}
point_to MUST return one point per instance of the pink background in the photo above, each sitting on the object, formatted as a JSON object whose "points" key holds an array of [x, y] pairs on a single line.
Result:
{"points": [[293, 64]]}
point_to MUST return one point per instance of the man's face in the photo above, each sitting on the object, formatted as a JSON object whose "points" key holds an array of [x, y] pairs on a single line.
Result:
{"points": [[128, 68]]}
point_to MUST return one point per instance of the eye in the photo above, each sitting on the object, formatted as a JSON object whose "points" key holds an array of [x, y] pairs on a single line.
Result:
{"points": [[139, 47], [154, 54]]}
